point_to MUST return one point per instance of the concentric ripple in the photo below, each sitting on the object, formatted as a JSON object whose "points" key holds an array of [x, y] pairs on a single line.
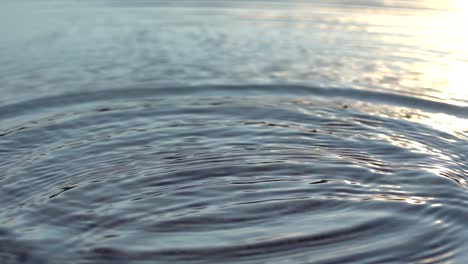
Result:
{"points": [[233, 131], [266, 177]]}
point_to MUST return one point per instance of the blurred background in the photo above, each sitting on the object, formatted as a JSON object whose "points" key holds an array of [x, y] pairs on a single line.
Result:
{"points": [[416, 47]]}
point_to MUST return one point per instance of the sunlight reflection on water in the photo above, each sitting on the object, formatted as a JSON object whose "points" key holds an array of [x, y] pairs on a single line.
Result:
{"points": [[233, 131]]}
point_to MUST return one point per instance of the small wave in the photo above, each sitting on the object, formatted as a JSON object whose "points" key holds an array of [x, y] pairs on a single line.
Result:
{"points": [[68, 99]]}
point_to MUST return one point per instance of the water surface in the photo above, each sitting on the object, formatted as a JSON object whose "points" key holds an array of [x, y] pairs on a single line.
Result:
{"points": [[234, 131]]}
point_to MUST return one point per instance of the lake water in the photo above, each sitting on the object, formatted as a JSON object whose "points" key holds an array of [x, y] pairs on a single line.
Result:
{"points": [[234, 131]]}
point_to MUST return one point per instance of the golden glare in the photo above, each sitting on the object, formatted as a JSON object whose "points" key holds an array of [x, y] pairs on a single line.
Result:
{"points": [[456, 80], [461, 5], [446, 71]]}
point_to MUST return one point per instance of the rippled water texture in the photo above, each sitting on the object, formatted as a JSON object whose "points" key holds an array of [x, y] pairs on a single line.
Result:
{"points": [[240, 132]]}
